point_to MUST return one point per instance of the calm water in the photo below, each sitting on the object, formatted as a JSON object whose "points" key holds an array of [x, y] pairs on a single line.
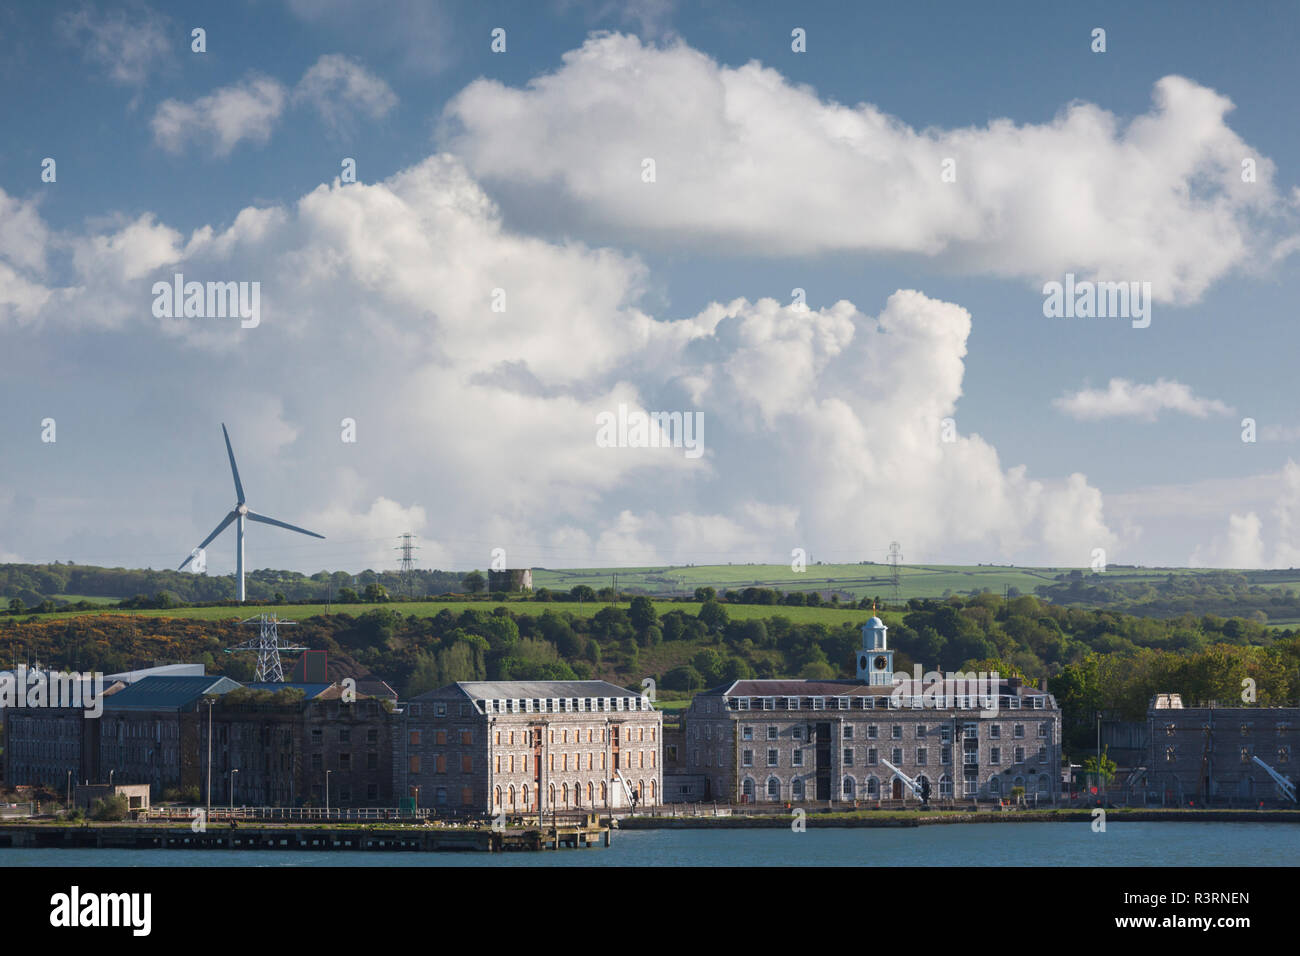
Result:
{"points": [[979, 844]]}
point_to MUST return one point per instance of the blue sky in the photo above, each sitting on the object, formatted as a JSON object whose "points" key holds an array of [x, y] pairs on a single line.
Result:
{"points": [[776, 170]]}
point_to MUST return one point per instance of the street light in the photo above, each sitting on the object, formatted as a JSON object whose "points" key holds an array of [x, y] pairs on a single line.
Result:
{"points": [[210, 702], [232, 788], [69, 789], [327, 792]]}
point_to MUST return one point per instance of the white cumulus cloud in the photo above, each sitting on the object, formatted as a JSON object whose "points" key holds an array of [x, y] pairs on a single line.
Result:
{"points": [[746, 160], [1125, 399]]}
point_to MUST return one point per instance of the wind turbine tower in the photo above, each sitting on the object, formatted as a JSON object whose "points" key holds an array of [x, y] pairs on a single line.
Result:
{"points": [[238, 515]]}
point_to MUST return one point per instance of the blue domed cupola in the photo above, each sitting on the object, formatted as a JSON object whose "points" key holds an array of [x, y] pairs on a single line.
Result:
{"points": [[875, 660]]}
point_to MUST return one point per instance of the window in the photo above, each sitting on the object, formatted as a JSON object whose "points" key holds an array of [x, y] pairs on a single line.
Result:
{"points": [[773, 788], [316, 762], [995, 756], [440, 710], [1042, 753], [345, 761], [896, 732], [920, 730], [921, 754], [1171, 729], [1020, 755], [849, 789], [796, 759], [1245, 755], [466, 763], [747, 758], [771, 733], [315, 735], [872, 731], [897, 755], [1246, 728], [1018, 731], [746, 733], [1284, 754], [1042, 730], [440, 737], [796, 789], [372, 761], [995, 785], [797, 732], [747, 789], [772, 756], [848, 731], [945, 786], [848, 756], [872, 757], [466, 738], [873, 787], [995, 731], [415, 738], [1170, 755]]}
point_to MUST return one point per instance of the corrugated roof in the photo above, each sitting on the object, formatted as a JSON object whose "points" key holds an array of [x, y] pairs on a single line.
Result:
{"points": [[167, 693]]}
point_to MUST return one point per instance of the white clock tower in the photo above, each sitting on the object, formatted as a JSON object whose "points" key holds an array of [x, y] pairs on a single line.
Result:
{"points": [[875, 660]]}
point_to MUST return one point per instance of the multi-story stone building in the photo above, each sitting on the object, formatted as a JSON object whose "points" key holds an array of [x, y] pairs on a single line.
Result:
{"points": [[794, 741], [518, 747], [1206, 755]]}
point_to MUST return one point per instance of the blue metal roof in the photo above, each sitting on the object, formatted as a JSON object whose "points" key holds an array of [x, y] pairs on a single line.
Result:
{"points": [[167, 693]]}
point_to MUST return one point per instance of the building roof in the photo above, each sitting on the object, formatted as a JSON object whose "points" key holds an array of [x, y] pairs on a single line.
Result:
{"points": [[162, 670], [849, 688], [167, 693], [509, 689]]}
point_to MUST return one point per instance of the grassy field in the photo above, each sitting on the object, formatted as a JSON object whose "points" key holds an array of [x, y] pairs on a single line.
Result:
{"points": [[860, 580], [298, 612]]}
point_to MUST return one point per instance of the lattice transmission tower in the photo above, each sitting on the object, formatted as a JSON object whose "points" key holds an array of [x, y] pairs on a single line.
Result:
{"points": [[406, 566], [268, 647], [895, 558]]}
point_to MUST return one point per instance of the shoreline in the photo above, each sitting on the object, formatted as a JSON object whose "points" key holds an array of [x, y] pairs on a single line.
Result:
{"points": [[917, 818]]}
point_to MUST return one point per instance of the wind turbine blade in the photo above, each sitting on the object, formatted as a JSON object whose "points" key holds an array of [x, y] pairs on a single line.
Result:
{"points": [[234, 470], [208, 540], [254, 516]]}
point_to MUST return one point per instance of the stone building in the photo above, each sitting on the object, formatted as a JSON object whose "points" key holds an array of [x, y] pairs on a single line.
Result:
{"points": [[510, 580], [519, 747], [797, 741], [1205, 755]]}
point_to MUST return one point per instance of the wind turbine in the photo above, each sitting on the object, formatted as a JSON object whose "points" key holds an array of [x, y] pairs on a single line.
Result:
{"points": [[239, 514]]}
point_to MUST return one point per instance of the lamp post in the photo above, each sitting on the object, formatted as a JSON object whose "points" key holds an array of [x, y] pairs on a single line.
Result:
{"points": [[210, 702], [110, 781], [327, 793], [232, 788], [69, 789]]}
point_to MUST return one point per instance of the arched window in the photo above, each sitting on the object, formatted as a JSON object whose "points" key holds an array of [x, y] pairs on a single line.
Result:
{"points": [[604, 794], [849, 789], [550, 795], [591, 791], [773, 788], [995, 785], [1044, 783], [796, 789], [527, 805], [566, 796], [498, 797], [512, 796], [945, 786], [747, 789], [652, 791], [873, 787]]}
